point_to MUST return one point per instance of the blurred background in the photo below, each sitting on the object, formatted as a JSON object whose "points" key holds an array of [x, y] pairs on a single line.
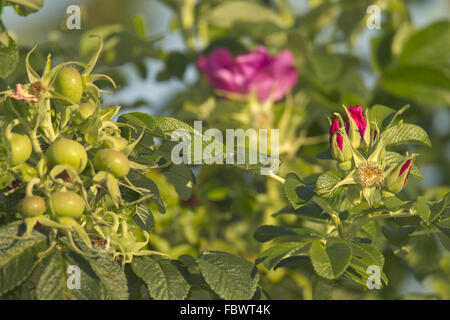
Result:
{"points": [[151, 47]]}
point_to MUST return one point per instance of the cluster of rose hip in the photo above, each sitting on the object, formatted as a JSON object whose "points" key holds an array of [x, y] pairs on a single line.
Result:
{"points": [[84, 159], [359, 149], [66, 151]]}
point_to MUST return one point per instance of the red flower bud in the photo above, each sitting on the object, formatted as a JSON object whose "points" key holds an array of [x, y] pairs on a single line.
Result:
{"points": [[357, 127], [397, 179]]}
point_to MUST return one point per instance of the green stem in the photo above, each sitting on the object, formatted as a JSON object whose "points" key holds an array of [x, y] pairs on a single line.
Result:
{"points": [[276, 178]]}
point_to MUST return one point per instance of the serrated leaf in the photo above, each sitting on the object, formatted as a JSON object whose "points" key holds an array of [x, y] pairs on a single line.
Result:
{"points": [[230, 276], [164, 281], [111, 275], [406, 133], [91, 286], [146, 184], [52, 284], [17, 257], [368, 253], [327, 181], [296, 191], [331, 261], [182, 179], [158, 126], [438, 207], [273, 255], [144, 218], [444, 226]]}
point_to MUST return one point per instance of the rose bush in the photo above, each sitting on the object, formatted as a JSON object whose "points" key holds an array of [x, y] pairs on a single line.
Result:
{"points": [[319, 228]]}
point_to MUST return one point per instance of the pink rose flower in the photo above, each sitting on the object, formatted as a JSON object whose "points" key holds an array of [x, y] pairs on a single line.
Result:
{"points": [[272, 77]]}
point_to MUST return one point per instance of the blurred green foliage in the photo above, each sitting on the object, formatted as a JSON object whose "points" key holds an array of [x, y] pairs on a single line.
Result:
{"points": [[405, 65]]}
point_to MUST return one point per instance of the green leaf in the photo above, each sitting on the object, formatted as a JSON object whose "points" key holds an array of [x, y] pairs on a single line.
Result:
{"points": [[422, 209], [393, 203], [328, 180], [182, 179], [310, 211], [397, 236], [423, 84], [111, 276], [160, 127], [275, 254], [430, 46], [52, 284], [230, 12], [17, 257], [9, 57], [296, 191], [381, 53], [141, 181], [444, 226], [445, 239], [256, 29], [164, 281], [369, 254], [230, 276], [267, 233], [331, 261], [25, 7], [379, 113], [394, 159], [91, 286], [406, 133], [438, 207], [144, 218]]}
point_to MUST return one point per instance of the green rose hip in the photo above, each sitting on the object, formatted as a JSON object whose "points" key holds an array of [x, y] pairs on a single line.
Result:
{"points": [[20, 148], [68, 83], [69, 152], [112, 161], [33, 206], [67, 204]]}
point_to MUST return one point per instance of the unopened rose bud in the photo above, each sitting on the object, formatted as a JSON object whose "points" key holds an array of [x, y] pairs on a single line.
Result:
{"points": [[396, 179], [340, 147], [358, 128]]}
